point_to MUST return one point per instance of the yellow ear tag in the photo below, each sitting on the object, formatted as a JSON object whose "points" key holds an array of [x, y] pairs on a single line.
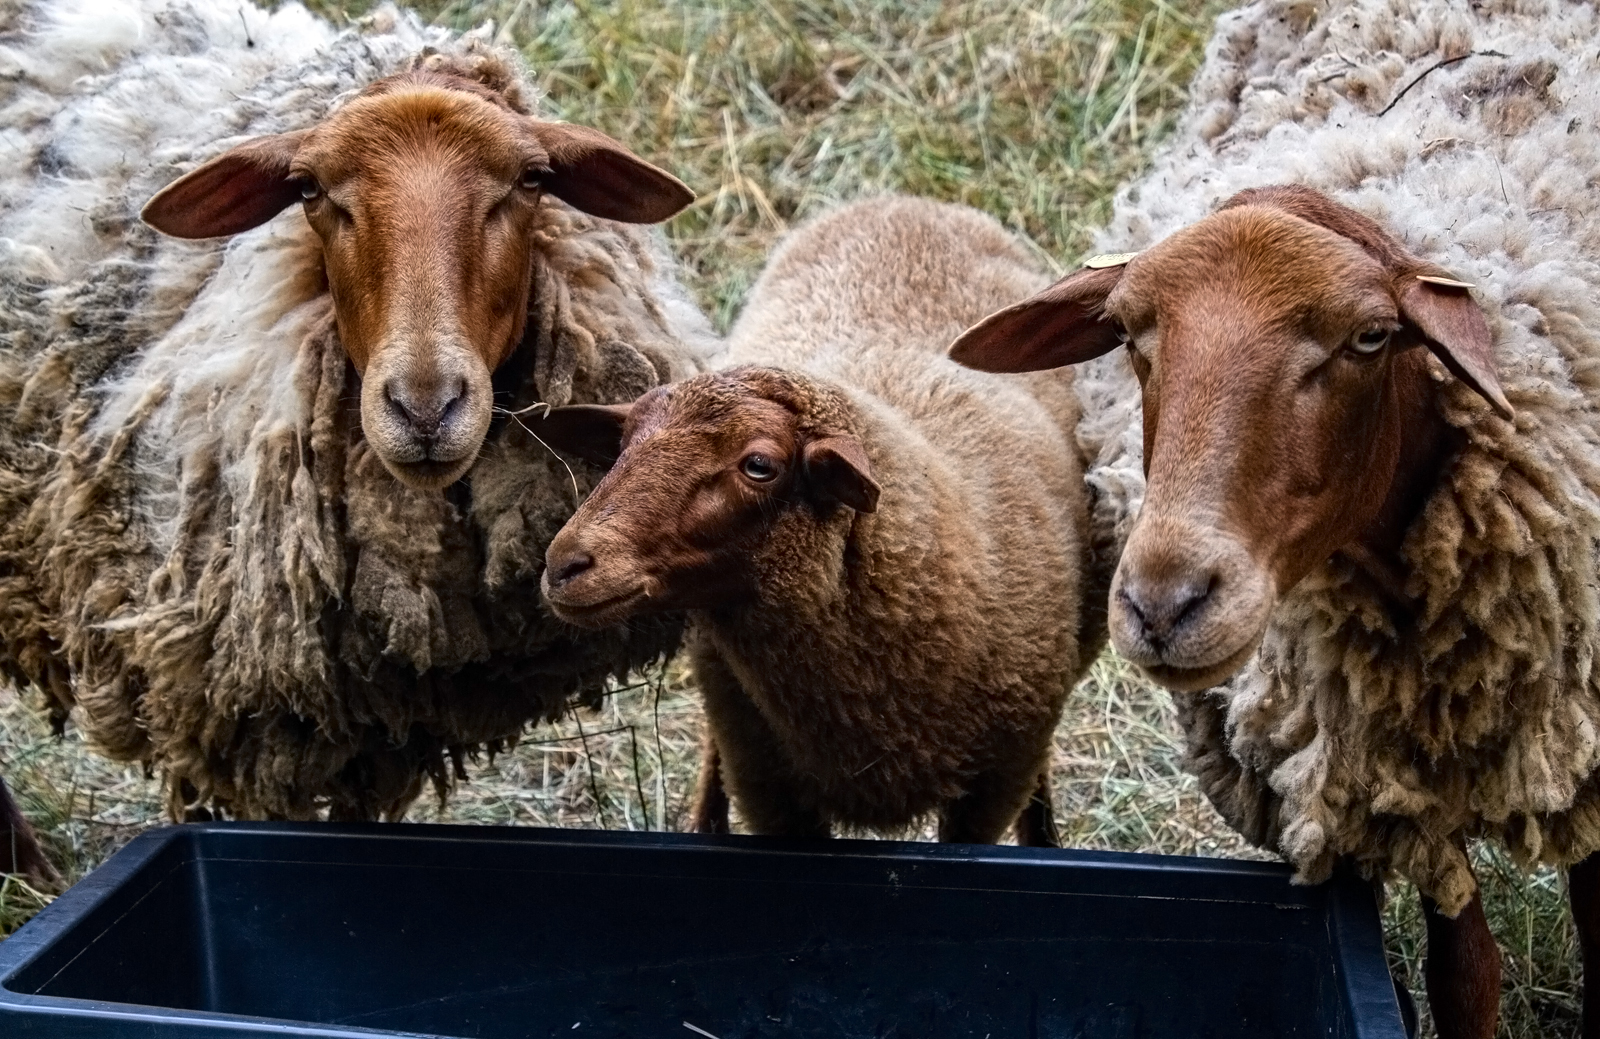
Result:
{"points": [[1450, 283], [1108, 260]]}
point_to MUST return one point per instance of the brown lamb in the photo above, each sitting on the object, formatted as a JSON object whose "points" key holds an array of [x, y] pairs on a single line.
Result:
{"points": [[883, 555]]}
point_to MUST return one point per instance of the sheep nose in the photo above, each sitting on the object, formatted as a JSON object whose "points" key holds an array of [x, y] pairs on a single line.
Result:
{"points": [[570, 567], [1163, 605], [424, 410]]}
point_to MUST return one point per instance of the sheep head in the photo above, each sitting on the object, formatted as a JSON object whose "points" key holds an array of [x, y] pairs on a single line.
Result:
{"points": [[1288, 412], [423, 190], [703, 475]]}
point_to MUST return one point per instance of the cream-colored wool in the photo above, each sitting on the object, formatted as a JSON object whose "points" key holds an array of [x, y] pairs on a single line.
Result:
{"points": [[915, 658], [1358, 732], [199, 555]]}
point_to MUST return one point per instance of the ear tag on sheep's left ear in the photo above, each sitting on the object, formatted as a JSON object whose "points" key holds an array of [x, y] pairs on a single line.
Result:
{"points": [[1096, 263], [1457, 333]]}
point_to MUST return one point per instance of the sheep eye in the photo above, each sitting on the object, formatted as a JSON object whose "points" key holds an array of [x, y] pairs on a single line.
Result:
{"points": [[532, 179], [1371, 341], [759, 468], [310, 190], [1140, 363]]}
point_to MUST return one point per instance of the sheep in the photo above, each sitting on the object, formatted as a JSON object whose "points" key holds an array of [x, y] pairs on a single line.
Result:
{"points": [[210, 554], [876, 634], [20, 852], [1388, 553]]}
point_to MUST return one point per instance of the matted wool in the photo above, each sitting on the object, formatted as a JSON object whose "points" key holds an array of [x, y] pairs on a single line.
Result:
{"points": [[200, 557], [1392, 733]]}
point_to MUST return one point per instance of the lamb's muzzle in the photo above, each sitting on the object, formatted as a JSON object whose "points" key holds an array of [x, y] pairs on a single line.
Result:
{"points": [[424, 191]]}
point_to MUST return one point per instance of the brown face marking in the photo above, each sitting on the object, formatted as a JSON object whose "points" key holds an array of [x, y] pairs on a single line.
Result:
{"points": [[424, 191], [426, 227], [1288, 413], [705, 471]]}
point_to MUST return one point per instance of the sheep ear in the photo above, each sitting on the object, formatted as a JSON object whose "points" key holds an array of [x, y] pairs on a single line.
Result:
{"points": [[596, 174], [1457, 333], [592, 432], [1064, 324], [838, 468], [234, 192]]}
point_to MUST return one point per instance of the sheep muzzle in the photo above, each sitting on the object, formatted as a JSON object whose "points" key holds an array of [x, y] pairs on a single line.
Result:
{"points": [[1188, 603]]}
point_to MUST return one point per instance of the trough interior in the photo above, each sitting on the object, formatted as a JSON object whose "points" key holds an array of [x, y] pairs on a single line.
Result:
{"points": [[507, 938]]}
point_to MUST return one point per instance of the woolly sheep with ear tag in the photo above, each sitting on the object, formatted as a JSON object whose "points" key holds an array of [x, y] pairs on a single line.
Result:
{"points": [[239, 539], [1345, 419]]}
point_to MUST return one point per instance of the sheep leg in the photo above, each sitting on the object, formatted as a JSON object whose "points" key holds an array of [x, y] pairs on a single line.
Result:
{"points": [[1036, 826], [1583, 889], [1462, 971], [750, 758], [19, 847], [994, 801], [710, 798]]}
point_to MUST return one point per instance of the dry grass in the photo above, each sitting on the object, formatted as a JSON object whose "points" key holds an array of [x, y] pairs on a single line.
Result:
{"points": [[771, 110]]}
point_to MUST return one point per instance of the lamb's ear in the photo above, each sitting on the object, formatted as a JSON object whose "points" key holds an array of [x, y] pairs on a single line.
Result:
{"points": [[592, 432], [596, 174], [1457, 333], [837, 468], [1064, 324], [238, 190]]}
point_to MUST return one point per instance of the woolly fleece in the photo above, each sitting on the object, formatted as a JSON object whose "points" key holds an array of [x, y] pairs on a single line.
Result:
{"points": [[199, 555], [915, 658], [1360, 731]]}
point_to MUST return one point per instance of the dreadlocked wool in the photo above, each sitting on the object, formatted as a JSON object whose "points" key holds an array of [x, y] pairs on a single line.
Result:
{"points": [[1472, 132], [200, 558]]}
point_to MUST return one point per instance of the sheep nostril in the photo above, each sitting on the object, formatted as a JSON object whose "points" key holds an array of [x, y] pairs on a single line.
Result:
{"points": [[452, 403], [1162, 607], [425, 412], [570, 568]]}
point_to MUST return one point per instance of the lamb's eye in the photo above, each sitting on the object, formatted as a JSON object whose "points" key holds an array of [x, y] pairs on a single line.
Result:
{"points": [[532, 179], [1371, 341], [310, 190], [759, 468]]}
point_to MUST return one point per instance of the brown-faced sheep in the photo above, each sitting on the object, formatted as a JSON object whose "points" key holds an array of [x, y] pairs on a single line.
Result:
{"points": [[1373, 492], [217, 545], [883, 554]]}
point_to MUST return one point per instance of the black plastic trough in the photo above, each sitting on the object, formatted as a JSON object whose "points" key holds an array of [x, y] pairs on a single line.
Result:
{"points": [[251, 929]]}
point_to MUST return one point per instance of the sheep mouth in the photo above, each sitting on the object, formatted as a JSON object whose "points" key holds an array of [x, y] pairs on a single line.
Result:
{"points": [[429, 474], [1198, 679], [601, 614]]}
